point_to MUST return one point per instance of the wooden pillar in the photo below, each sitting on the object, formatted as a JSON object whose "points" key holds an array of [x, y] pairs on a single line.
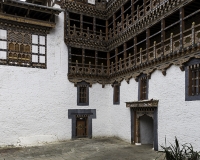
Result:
{"points": [[116, 58], [163, 35], [137, 130], [106, 29], [69, 58], [122, 16], [108, 61], [134, 126], [132, 9], [182, 26], [96, 59], [144, 6], [125, 53], [83, 57], [114, 24], [81, 23], [147, 42], [135, 49], [94, 25]]}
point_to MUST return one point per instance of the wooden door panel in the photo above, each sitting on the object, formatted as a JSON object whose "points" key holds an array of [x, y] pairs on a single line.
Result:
{"points": [[81, 127]]}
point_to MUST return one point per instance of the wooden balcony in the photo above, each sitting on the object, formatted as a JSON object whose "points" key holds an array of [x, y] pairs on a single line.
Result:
{"points": [[172, 46]]}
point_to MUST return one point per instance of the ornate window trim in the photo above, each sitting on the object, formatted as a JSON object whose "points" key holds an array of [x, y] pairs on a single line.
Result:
{"points": [[116, 93], [22, 48], [82, 94], [192, 91], [143, 87]]}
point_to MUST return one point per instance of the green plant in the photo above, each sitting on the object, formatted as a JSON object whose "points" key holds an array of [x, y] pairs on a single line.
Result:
{"points": [[185, 152]]}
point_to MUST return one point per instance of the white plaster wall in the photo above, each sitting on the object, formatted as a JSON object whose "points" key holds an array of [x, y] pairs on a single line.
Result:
{"points": [[176, 117], [120, 115], [35, 102], [146, 130]]}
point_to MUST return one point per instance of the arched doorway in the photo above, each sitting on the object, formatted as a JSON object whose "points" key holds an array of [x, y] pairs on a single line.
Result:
{"points": [[144, 122]]}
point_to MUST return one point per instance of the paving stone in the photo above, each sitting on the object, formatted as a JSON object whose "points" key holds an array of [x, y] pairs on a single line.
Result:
{"points": [[83, 149]]}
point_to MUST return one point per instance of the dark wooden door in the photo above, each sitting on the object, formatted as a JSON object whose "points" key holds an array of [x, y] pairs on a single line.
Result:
{"points": [[81, 127]]}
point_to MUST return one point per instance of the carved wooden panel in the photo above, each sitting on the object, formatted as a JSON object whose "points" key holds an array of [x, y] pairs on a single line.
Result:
{"points": [[23, 49]]}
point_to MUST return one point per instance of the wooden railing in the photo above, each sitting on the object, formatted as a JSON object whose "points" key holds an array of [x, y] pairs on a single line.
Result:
{"points": [[129, 20], [75, 32], [88, 69], [190, 37]]}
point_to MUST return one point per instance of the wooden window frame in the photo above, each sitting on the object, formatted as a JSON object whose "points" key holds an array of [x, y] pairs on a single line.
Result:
{"points": [[189, 80], [19, 50], [116, 93], [141, 86], [79, 86]]}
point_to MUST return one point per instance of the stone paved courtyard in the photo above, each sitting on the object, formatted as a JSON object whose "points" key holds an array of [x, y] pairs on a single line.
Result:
{"points": [[82, 149]]}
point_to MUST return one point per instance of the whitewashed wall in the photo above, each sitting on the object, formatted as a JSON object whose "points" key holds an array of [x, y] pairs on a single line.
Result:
{"points": [[176, 117], [35, 102], [120, 115]]}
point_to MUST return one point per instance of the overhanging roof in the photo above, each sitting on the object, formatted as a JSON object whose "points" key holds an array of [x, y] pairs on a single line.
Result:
{"points": [[23, 12]]}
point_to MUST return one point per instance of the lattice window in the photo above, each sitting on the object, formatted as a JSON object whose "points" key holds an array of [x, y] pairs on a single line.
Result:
{"points": [[194, 79], [22, 49], [38, 51], [116, 93], [143, 88], [3, 46], [82, 93]]}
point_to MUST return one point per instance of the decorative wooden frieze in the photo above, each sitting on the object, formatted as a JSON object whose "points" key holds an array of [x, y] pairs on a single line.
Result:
{"points": [[176, 49], [27, 20], [143, 104]]}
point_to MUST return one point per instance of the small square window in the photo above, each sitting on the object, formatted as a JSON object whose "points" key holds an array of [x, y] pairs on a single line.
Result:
{"points": [[192, 80], [143, 87], [116, 93], [82, 94]]}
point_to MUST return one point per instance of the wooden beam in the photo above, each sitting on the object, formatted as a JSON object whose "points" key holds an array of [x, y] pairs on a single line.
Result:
{"points": [[27, 20]]}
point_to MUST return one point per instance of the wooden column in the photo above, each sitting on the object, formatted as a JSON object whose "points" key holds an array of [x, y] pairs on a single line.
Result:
{"points": [[81, 23], [147, 42], [135, 49], [94, 25], [116, 58], [96, 59], [83, 57], [137, 130], [125, 52], [144, 7], [114, 24], [132, 9], [182, 26], [106, 29], [69, 58], [122, 16], [163, 34], [108, 61]]}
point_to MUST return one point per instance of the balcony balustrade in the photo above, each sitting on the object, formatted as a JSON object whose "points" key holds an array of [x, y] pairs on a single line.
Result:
{"points": [[190, 37]]}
